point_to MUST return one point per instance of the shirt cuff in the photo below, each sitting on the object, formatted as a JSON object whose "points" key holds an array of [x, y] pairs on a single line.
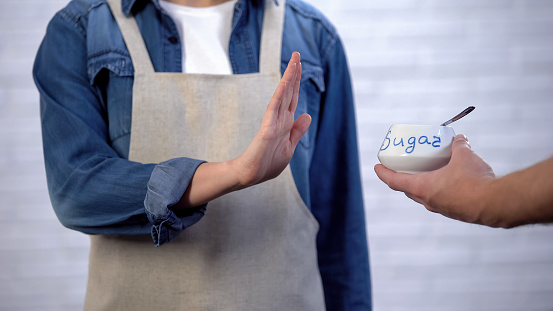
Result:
{"points": [[168, 182]]}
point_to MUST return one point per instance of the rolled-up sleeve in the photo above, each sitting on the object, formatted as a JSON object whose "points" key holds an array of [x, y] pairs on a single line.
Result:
{"points": [[164, 191]]}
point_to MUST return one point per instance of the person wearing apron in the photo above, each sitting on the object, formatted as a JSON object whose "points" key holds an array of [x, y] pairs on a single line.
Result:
{"points": [[255, 248]]}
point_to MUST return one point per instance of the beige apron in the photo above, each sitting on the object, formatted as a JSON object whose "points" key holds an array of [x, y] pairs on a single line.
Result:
{"points": [[254, 249]]}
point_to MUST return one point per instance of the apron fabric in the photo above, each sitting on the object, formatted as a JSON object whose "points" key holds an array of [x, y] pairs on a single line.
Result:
{"points": [[254, 249]]}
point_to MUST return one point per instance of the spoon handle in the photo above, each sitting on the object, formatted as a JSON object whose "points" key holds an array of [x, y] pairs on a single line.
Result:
{"points": [[459, 116]]}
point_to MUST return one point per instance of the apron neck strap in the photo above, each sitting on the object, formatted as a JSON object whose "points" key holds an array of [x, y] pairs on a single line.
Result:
{"points": [[270, 47], [271, 37], [133, 39]]}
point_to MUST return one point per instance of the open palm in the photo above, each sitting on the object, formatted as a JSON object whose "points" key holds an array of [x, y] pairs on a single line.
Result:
{"points": [[273, 146]]}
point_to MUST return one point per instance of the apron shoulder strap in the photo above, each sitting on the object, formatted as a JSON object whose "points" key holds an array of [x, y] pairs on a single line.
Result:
{"points": [[133, 39], [271, 37]]}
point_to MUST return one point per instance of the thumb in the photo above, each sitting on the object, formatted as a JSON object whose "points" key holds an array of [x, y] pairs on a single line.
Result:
{"points": [[299, 128], [460, 142], [461, 149]]}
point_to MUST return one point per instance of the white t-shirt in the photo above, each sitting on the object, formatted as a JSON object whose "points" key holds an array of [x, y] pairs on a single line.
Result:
{"points": [[205, 34]]}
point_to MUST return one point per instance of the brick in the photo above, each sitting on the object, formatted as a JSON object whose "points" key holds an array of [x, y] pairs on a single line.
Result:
{"points": [[412, 61]]}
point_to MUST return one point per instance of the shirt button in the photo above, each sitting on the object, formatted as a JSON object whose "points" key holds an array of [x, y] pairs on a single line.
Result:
{"points": [[173, 40]]}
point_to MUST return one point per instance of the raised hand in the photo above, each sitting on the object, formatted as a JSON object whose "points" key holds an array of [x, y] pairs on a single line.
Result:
{"points": [[272, 148], [268, 154]]}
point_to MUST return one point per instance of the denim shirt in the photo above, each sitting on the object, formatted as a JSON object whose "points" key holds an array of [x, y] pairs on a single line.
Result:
{"points": [[84, 74]]}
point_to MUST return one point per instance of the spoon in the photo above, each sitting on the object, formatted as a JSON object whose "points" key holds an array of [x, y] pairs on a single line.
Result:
{"points": [[459, 116]]}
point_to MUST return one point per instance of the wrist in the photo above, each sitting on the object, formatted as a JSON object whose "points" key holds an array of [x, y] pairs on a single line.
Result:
{"points": [[243, 172], [210, 181], [487, 203], [500, 210], [232, 172]]}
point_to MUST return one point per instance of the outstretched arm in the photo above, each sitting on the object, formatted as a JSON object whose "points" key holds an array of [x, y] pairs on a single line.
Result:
{"points": [[266, 157], [466, 189]]}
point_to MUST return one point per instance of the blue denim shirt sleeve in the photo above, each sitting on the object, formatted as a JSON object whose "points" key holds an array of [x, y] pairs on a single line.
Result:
{"points": [[164, 191], [93, 188]]}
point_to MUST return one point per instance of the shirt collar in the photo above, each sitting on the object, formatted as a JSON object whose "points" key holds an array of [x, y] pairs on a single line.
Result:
{"points": [[127, 5]]}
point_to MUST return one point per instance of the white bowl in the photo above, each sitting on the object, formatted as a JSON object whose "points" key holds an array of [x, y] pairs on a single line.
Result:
{"points": [[414, 149]]}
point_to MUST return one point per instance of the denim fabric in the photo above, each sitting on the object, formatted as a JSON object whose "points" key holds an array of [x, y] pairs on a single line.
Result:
{"points": [[85, 75]]}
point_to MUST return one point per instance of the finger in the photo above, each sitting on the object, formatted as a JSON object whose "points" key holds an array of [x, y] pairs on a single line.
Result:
{"points": [[299, 129], [276, 101], [384, 173], [294, 103], [290, 81], [415, 198], [460, 147], [397, 181], [463, 157], [271, 113], [460, 142], [420, 201]]}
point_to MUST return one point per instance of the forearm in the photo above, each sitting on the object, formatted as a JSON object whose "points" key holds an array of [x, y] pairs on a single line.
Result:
{"points": [[210, 181], [96, 188], [523, 197]]}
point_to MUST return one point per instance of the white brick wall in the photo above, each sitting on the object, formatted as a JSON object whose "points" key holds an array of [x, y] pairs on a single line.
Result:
{"points": [[42, 265], [412, 61], [417, 61]]}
